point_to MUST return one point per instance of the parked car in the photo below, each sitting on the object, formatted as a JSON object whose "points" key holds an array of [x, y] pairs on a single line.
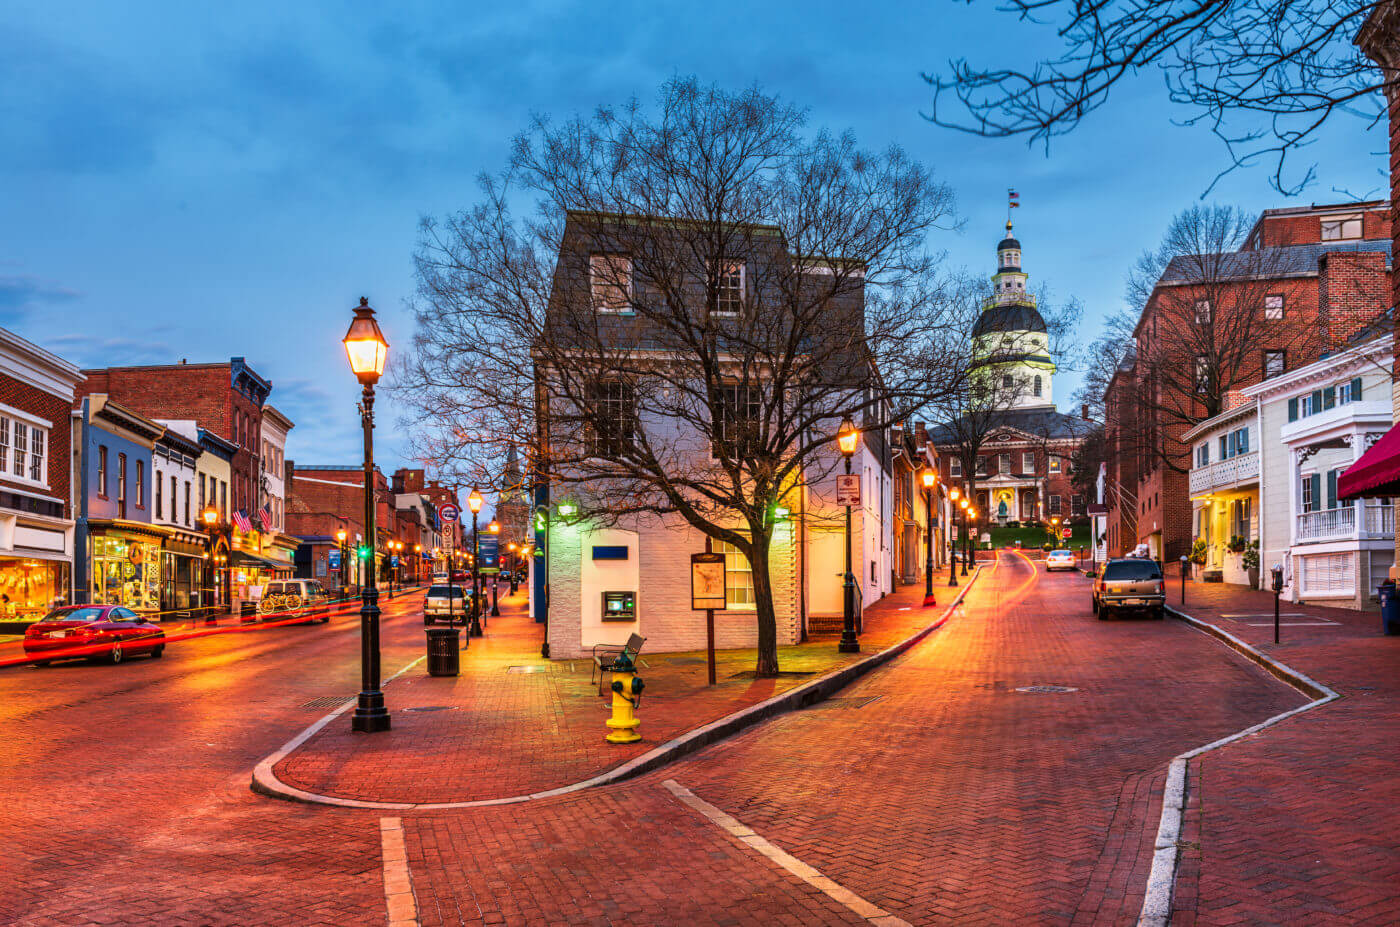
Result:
{"points": [[435, 603], [92, 632], [295, 598], [1130, 585], [1059, 560]]}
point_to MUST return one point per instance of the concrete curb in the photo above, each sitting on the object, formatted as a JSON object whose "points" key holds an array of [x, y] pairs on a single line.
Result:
{"points": [[265, 782], [1161, 881]]}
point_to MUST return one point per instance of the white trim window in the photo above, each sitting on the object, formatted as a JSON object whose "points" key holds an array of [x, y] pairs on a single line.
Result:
{"points": [[738, 578], [1203, 312], [23, 452], [954, 467], [1028, 463], [1273, 307], [1054, 505], [610, 282], [1055, 464], [1342, 228], [729, 289]]}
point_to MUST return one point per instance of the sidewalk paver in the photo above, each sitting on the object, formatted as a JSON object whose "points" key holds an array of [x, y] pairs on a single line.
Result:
{"points": [[514, 724], [1301, 823]]}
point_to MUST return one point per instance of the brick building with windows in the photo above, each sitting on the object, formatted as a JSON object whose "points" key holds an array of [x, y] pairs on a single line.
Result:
{"points": [[1304, 282], [326, 499], [37, 546]]}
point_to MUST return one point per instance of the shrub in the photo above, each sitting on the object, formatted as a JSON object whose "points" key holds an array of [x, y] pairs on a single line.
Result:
{"points": [[1198, 552], [1251, 556]]}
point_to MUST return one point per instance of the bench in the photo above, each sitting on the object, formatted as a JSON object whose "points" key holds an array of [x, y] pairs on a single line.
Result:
{"points": [[608, 658]]}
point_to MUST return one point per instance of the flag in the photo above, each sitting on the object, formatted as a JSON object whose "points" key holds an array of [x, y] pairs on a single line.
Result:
{"points": [[265, 516], [240, 519], [1013, 198]]}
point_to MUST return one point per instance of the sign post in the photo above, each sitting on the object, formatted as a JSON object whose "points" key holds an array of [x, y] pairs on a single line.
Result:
{"points": [[848, 490], [707, 584]]}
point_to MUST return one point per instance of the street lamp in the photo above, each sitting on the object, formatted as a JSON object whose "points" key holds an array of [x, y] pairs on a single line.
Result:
{"points": [[210, 517], [474, 503], [367, 350], [953, 495], [418, 563], [514, 566], [495, 528], [963, 504], [929, 479], [1055, 530], [344, 566], [846, 439], [971, 529]]}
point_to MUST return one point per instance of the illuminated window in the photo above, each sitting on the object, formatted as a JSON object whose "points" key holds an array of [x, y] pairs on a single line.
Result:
{"points": [[738, 577]]}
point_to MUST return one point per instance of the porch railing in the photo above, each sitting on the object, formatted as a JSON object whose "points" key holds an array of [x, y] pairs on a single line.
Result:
{"points": [[1341, 524]]}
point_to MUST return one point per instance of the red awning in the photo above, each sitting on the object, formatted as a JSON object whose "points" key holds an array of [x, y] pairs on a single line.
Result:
{"points": [[1377, 473]]}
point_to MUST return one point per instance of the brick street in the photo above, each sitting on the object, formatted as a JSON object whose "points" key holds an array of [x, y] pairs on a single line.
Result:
{"points": [[933, 789]]}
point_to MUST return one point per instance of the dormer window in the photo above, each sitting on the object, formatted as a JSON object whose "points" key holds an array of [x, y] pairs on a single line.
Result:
{"points": [[729, 289], [610, 281]]}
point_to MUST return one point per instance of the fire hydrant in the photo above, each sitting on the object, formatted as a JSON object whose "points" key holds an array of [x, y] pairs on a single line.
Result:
{"points": [[627, 695]]}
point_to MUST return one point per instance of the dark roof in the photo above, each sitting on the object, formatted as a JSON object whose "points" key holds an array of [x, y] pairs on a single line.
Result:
{"points": [[1011, 358], [1009, 242], [1265, 263], [1045, 421], [1012, 317]]}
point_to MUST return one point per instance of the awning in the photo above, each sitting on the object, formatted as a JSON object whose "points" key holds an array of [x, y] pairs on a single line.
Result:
{"points": [[243, 558], [1377, 473]]}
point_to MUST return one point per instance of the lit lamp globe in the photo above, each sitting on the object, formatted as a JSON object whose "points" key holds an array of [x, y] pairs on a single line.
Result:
{"points": [[494, 527], [340, 535], [929, 479], [365, 345], [846, 438], [210, 516], [474, 500]]}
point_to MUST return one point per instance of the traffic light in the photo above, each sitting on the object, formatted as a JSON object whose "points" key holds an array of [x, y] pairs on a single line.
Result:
{"points": [[362, 551], [539, 520]]}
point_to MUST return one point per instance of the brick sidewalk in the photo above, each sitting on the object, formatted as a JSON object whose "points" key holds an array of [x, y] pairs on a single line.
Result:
{"points": [[514, 724], [1301, 823]]}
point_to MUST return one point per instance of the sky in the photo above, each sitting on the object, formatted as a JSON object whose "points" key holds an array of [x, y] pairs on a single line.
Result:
{"points": [[179, 182]]}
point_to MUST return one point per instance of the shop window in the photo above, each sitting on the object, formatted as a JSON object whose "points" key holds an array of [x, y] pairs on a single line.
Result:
{"points": [[738, 577], [121, 484]]}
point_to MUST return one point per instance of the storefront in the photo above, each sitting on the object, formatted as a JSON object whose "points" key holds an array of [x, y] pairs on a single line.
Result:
{"points": [[30, 587], [126, 569], [249, 574], [186, 584]]}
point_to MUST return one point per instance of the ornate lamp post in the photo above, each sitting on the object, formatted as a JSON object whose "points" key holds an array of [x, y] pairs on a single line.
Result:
{"points": [[953, 495], [367, 350], [495, 528], [846, 438], [418, 563], [1055, 530], [344, 566], [929, 478], [963, 504], [514, 565], [210, 518], [474, 503], [971, 544]]}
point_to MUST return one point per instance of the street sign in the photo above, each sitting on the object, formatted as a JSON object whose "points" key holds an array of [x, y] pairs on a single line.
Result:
{"points": [[449, 539], [1066, 533], [848, 489], [448, 513], [489, 554], [335, 558], [394, 560], [707, 581]]}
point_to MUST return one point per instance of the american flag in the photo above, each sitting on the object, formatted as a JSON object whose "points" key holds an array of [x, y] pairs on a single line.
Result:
{"points": [[265, 516], [240, 519], [1013, 199]]}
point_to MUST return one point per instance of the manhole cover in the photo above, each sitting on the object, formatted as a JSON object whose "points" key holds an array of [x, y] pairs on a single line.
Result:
{"points": [[430, 708], [328, 701], [527, 669], [847, 702], [1047, 689]]}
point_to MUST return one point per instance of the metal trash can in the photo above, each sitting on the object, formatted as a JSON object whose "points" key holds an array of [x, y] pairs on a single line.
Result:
{"points": [[443, 647], [1390, 609]]}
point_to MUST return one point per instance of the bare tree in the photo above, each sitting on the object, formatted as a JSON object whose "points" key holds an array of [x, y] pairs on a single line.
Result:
{"points": [[1264, 75], [699, 297]]}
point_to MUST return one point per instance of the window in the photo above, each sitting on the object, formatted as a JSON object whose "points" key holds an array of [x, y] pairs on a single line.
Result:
{"points": [[1054, 505], [1027, 462], [1076, 504], [736, 410], [4, 442], [201, 492], [1203, 454], [1004, 463], [729, 289], [1203, 312], [21, 448], [223, 499], [610, 281], [187, 503], [1273, 363], [981, 466], [614, 419], [954, 467], [738, 577], [1007, 382], [1056, 465], [1310, 492], [1202, 373], [140, 484], [1036, 385], [174, 501], [1341, 228], [1239, 511], [1350, 391], [1273, 306], [121, 478]]}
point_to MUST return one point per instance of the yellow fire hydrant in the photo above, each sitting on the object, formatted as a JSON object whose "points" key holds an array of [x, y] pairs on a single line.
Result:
{"points": [[627, 695]]}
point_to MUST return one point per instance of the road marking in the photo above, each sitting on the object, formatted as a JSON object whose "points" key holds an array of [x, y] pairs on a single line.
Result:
{"points": [[1295, 624], [792, 864], [398, 884], [1271, 614]]}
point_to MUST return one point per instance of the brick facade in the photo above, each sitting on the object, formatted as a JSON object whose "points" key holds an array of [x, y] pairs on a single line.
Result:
{"points": [[51, 408]]}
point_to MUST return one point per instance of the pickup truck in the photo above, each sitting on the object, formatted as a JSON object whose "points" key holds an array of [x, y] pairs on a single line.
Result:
{"points": [[1129, 584]]}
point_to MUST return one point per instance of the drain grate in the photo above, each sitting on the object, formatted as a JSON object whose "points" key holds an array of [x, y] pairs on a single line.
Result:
{"points": [[1040, 690], [327, 701], [431, 708], [848, 703], [527, 669]]}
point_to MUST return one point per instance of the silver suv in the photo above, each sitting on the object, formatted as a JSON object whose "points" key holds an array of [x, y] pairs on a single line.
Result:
{"points": [[1130, 585]]}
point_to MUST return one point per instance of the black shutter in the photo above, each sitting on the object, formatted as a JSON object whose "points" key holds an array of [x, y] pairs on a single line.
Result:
{"points": [[1293, 409]]}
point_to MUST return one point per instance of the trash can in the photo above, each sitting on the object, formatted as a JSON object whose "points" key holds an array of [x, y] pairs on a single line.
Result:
{"points": [[1390, 609], [442, 651]]}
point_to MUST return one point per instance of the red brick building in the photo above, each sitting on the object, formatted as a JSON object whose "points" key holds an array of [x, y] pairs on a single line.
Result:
{"points": [[225, 398], [37, 391], [1305, 281], [326, 499]]}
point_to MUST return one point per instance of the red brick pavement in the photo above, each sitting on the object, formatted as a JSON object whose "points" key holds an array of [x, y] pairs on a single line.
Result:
{"points": [[506, 733], [1301, 823]]}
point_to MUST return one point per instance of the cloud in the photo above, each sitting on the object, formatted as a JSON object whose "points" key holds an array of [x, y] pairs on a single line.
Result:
{"points": [[21, 293], [100, 351]]}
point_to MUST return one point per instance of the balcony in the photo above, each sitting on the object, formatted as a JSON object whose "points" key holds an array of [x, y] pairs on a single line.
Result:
{"points": [[1225, 474], [1339, 524]]}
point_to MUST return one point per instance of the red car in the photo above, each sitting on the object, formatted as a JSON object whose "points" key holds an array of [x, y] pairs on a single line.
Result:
{"points": [[93, 632]]}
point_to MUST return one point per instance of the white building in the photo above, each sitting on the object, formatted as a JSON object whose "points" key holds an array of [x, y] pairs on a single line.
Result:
{"points": [[1315, 422], [1224, 487], [273, 453]]}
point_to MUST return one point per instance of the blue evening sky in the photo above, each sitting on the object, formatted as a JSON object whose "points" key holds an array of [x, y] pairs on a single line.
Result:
{"points": [[185, 181]]}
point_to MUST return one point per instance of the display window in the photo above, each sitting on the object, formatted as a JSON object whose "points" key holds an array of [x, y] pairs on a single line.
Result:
{"points": [[30, 588], [126, 571]]}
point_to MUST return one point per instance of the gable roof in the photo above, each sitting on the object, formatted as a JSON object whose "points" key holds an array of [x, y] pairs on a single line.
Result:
{"points": [[1266, 263]]}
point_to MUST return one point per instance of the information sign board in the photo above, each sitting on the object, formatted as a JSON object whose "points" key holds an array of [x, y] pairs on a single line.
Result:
{"points": [[848, 489], [707, 581]]}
